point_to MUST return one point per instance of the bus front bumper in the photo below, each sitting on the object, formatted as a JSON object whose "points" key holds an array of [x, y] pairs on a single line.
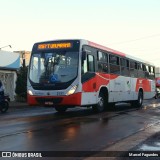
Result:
{"points": [[71, 100]]}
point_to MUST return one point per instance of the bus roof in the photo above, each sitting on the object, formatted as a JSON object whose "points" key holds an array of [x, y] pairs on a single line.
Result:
{"points": [[106, 48], [118, 53]]}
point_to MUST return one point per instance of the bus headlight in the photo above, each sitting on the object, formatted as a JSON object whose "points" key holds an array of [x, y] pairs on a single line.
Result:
{"points": [[72, 90], [30, 92]]}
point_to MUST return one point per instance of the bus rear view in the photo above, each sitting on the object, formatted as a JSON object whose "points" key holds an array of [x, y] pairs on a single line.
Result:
{"points": [[53, 74]]}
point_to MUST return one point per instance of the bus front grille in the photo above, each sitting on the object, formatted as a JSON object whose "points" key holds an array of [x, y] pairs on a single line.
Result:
{"points": [[51, 100]]}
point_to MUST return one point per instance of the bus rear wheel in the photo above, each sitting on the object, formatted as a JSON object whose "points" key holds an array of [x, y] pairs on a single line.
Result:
{"points": [[60, 109], [100, 106], [138, 103]]}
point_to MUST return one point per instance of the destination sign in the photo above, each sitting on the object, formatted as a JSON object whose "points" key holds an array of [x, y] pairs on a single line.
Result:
{"points": [[55, 45]]}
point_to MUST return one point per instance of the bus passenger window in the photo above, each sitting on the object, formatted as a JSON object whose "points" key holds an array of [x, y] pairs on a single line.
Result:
{"points": [[144, 67], [88, 64], [102, 67], [102, 62], [114, 60], [151, 72], [147, 72], [114, 64], [100, 56], [90, 59], [103, 57], [141, 72], [133, 71], [124, 67]]}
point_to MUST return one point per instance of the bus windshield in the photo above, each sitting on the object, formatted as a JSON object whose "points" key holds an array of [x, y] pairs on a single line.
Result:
{"points": [[53, 67]]}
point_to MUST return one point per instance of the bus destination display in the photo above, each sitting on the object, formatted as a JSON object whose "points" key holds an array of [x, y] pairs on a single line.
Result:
{"points": [[55, 45]]}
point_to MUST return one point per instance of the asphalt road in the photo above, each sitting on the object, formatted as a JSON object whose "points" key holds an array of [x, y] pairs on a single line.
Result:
{"points": [[80, 129]]}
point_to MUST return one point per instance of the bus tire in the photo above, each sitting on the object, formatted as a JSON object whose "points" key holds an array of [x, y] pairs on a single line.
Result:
{"points": [[60, 109], [100, 106], [138, 103], [156, 96]]}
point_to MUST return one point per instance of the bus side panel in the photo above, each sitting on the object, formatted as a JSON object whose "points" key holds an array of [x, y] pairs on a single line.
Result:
{"points": [[134, 93], [148, 87], [125, 91], [91, 87], [89, 98], [143, 83], [117, 89], [127, 88]]}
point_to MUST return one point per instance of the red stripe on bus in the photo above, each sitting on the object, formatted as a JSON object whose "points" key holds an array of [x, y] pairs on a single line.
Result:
{"points": [[94, 84], [106, 48], [144, 84]]}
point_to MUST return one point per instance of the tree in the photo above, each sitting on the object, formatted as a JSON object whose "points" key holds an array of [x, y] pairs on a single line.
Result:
{"points": [[21, 83]]}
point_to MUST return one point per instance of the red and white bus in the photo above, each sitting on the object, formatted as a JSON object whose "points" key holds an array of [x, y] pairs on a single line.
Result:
{"points": [[69, 73]]}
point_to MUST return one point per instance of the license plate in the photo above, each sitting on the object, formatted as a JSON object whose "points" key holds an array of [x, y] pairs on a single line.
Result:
{"points": [[48, 103]]}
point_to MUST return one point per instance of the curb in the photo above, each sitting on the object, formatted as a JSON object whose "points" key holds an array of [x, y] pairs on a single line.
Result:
{"points": [[130, 142], [14, 104]]}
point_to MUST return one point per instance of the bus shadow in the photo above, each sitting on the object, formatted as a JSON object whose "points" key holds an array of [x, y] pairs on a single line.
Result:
{"points": [[83, 112]]}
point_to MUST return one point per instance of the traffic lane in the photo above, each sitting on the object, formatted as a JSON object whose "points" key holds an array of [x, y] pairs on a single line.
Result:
{"points": [[24, 120], [89, 133], [22, 116]]}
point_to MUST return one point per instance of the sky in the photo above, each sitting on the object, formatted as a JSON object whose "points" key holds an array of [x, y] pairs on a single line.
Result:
{"points": [[129, 26]]}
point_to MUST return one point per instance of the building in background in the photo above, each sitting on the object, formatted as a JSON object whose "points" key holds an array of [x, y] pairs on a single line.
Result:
{"points": [[9, 64], [24, 57]]}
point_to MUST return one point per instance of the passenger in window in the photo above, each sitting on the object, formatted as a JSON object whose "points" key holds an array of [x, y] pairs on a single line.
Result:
{"points": [[56, 64]]}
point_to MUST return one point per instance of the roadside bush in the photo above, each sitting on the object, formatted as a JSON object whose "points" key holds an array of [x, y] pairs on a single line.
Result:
{"points": [[21, 83]]}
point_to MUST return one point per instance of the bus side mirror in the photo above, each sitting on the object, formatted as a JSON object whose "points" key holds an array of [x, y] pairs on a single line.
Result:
{"points": [[84, 55]]}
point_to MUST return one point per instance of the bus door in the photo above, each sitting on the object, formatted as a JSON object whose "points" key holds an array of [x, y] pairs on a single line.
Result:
{"points": [[88, 79]]}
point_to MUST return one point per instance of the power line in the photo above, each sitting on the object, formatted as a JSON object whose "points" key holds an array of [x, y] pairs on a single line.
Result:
{"points": [[155, 59], [133, 40], [6, 46]]}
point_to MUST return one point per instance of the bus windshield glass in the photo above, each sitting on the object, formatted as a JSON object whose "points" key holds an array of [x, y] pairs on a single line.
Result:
{"points": [[53, 67]]}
